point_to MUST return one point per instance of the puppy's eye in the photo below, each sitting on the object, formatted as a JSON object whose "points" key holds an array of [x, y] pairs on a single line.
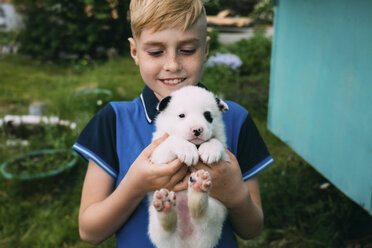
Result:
{"points": [[182, 116]]}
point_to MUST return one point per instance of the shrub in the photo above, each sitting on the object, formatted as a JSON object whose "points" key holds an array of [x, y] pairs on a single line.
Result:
{"points": [[249, 84], [7, 38], [214, 43], [57, 29], [263, 12], [221, 74], [255, 54]]}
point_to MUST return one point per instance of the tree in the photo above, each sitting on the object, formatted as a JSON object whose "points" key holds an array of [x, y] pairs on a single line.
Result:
{"points": [[56, 29]]}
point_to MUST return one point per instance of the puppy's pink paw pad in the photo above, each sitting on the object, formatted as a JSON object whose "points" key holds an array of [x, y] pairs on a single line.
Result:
{"points": [[164, 200], [200, 181]]}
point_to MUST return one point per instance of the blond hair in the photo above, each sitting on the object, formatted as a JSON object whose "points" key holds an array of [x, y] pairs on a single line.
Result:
{"points": [[162, 14]]}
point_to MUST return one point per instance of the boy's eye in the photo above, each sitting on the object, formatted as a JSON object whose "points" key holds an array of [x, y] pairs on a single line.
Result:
{"points": [[188, 51], [155, 53], [182, 116]]}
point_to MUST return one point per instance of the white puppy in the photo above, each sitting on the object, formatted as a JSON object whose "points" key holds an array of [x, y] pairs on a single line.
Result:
{"points": [[192, 116]]}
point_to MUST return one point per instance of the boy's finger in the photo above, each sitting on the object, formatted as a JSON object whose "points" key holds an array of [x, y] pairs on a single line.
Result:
{"points": [[150, 148], [200, 166], [158, 141], [169, 169], [181, 185], [175, 165], [229, 153], [180, 178]]}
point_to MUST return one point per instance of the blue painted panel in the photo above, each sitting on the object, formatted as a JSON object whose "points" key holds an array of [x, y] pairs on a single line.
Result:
{"points": [[321, 89]]}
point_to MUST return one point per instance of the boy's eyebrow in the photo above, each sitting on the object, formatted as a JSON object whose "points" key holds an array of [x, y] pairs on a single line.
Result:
{"points": [[192, 40], [153, 43], [159, 43]]}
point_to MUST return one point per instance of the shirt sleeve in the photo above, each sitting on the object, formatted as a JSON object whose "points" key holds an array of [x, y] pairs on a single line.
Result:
{"points": [[97, 141], [252, 152]]}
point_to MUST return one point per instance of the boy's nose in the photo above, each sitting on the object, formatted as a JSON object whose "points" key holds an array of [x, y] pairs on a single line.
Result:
{"points": [[172, 63]]}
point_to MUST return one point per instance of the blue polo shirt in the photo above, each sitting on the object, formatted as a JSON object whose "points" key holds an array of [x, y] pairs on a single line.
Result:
{"points": [[119, 132]]}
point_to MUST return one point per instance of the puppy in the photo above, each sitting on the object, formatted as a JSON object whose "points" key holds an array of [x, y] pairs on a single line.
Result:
{"points": [[192, 116]]}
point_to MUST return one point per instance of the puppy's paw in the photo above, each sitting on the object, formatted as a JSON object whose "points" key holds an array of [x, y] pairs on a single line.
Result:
{"points": [[164, 200], [211, 152], [200, 181], [187, 153]]}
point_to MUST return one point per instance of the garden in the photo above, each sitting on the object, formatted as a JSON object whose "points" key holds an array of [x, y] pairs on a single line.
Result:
{"points": [[41, 180]]}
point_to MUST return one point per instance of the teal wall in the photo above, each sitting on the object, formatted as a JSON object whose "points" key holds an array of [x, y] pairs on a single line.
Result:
{"points": [[320, 100]]}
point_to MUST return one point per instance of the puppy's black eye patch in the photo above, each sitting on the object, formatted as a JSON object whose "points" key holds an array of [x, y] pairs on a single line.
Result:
{"points": [[181, 115], [208, 116]]}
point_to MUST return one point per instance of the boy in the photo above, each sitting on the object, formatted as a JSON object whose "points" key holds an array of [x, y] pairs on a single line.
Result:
{"points": [[169, 45]]}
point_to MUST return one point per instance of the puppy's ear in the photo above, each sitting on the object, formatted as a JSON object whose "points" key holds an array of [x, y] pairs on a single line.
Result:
{"points": [[222, 105], [163, 103]]}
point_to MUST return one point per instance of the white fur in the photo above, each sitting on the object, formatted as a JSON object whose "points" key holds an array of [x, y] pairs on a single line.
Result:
{"points": [[205, 214]]}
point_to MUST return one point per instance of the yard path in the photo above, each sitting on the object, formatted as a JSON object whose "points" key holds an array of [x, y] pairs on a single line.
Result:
{"points": [[231, 35]]}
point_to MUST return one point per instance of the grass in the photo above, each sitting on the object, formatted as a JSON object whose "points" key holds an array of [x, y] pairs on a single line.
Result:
{"points": [[44, 213]]}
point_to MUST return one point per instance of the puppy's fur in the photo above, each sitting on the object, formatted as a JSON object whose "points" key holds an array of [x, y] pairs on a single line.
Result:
{"points": [[192, 117]]}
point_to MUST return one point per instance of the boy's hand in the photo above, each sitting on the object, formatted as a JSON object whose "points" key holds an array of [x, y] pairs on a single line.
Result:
{"points": [[227, 183], [148, 176], [184, 183]]}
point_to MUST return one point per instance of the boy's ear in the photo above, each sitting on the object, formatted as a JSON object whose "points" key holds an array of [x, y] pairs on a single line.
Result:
{"points": [[133, 50], [206, 52]]}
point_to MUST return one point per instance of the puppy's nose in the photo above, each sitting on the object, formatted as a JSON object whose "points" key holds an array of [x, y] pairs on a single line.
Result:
{"points": [[197, 131]]}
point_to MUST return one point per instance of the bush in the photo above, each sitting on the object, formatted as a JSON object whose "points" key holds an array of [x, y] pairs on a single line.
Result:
{"points": [[255, 54], [214, 43], [57, 29], [263, 12], [247, 85], [7, 38], [221, 74]]}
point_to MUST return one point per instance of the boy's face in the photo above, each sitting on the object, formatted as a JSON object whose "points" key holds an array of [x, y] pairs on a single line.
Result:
{"points": [[170, 59]]}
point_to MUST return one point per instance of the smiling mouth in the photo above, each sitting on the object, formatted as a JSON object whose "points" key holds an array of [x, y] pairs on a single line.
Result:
{"points": [[173, 81]]}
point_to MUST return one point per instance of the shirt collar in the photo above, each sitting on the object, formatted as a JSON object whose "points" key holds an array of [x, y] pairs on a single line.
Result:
{"points": [[150, 102]]}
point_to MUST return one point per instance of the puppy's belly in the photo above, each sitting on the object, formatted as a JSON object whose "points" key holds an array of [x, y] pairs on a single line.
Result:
{"points": [[185, 226]]}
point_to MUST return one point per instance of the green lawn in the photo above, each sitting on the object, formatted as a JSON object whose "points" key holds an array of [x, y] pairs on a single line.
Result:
{"points": [[44, 213]]}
